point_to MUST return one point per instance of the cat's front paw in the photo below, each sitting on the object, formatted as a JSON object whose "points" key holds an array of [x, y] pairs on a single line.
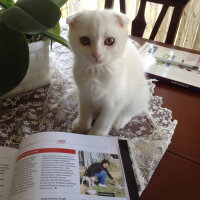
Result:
{"points": [[100, 133], [78, 127], [121, 122]]}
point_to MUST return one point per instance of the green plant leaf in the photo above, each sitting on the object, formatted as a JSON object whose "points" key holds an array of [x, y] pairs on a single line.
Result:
{"points": [[59, 3], [56, 30], [7, 3], [56, 38], [14, 58], [31, 16]]}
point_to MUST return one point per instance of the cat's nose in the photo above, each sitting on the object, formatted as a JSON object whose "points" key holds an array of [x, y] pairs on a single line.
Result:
{"points": [[96, 55]]}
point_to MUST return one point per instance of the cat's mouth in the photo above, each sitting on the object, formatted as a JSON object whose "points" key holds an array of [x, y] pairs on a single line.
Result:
{"points": [[98, 61]]}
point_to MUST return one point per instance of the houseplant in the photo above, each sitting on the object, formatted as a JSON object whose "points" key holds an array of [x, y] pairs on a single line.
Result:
{"points": [[19, 22]]}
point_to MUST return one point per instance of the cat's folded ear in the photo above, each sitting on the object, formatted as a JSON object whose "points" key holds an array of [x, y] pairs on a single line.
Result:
{"points": [[73, 19], [122, 19]]}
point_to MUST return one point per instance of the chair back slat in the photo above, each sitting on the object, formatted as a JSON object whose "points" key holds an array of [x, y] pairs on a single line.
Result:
{"points": [[109, 4], [173, 27], [139, 23], [123, 6], [158, 22]]}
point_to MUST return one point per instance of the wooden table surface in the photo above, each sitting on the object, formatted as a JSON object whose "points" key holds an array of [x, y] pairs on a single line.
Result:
{"points": [[177, 176]]}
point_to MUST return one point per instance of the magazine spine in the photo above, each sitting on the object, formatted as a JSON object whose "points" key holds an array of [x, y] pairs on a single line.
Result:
{"points": [[172, 82], [128, 170]]}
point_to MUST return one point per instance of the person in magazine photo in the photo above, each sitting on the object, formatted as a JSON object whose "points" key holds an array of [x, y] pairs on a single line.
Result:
{"points": [[101, 174]]}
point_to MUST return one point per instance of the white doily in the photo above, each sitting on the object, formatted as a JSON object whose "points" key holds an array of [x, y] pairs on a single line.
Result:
{"points": [[54, 107]]}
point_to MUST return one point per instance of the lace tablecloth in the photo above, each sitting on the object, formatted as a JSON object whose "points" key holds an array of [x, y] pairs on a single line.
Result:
{"points": [[54, 107]]}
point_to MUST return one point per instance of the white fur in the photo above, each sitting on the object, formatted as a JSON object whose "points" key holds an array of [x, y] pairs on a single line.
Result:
{"points": [[114, 88]]}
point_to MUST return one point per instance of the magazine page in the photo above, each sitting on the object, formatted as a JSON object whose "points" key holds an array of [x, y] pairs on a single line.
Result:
{"points": [[173, 56], [7, 165], [173, 69], [65, 166]]}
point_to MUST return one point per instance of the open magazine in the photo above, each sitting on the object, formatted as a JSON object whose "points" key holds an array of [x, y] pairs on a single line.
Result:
{"points": [[61, 166], [173, 66]]}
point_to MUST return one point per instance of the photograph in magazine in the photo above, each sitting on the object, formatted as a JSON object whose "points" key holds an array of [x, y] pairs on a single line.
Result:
{"points": [[101, 174]]}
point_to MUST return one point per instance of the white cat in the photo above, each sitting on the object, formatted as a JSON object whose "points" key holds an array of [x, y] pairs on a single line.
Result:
{"points": [[108, 71]]}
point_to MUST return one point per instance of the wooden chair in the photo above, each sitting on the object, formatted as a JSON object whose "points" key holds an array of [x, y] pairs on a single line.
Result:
{"points": [[139, 24]]}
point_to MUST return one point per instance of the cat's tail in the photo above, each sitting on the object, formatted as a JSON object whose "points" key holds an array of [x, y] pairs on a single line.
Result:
{"points": [[148, 61]]}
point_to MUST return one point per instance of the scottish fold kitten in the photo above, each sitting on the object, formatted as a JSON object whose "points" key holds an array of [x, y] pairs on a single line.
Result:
{"points": [[108, 71]]}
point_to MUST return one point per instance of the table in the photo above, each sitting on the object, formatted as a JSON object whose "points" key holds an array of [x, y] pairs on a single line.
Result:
{"points": [[178, 174]]}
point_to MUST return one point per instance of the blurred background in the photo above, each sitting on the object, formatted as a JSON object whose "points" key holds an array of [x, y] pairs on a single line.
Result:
{"points": [[188, 35]]}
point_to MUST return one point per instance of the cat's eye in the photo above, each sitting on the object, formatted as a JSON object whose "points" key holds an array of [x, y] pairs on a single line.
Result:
{"points": [[85, 40], [109, 41]]}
